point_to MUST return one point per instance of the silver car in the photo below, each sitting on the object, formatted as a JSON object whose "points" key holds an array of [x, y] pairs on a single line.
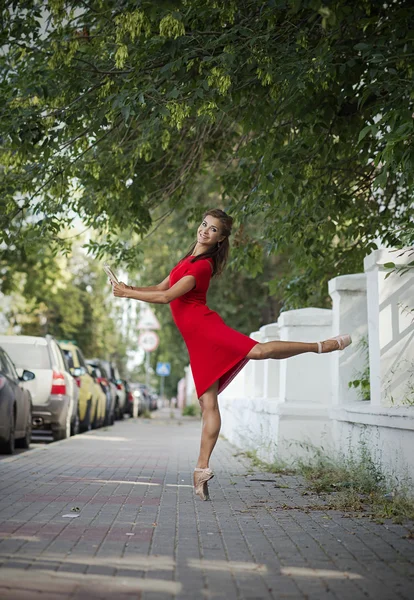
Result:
{"points": [[54, 391]]}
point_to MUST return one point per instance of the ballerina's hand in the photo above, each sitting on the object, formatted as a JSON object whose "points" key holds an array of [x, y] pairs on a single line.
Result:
{"points": [[120, 289]]}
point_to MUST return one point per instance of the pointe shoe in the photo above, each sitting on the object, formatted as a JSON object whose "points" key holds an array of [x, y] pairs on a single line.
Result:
{"points": [[343, 341], [200, 482]]}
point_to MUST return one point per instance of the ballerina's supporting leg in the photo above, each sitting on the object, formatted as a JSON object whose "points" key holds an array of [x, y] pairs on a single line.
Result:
{"points": [[209, 435], [211, 425]]}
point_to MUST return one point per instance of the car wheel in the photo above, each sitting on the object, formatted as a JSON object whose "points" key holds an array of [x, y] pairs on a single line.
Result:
{"points": [[85, 425], [116, 411], [95, 422], [74, 429], [63, 434], [8, 446], [25, 442]]}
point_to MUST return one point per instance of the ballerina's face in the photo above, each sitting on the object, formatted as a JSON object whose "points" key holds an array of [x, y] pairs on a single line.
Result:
{"points": [[209, 232]]}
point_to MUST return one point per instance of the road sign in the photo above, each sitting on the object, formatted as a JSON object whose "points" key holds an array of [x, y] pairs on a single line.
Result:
{"points": [[147, 319], [163, 369], [148, 341]]}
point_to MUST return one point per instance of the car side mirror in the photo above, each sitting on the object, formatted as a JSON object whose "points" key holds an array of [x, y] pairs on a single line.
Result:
{"points": [[27, 376], [77, 371]]}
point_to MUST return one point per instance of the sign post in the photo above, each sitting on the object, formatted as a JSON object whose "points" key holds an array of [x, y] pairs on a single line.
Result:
{"points": [[148, 340], [147, 369], [163, 370]]}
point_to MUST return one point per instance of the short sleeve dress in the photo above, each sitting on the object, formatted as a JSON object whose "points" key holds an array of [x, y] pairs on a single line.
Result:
{"points": [[217, 352]]}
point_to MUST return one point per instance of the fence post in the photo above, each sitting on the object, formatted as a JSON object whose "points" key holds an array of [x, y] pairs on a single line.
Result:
{"points": [[349, 311]]}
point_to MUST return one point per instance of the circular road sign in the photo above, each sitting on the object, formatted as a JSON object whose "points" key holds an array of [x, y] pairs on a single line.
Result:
{"points": [[148, 341]]}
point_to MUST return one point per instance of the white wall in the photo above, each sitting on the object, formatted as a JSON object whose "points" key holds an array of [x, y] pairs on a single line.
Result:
{"points": [[276, 407]]}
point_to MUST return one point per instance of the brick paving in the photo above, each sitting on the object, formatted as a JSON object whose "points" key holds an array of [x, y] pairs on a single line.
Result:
{"points": [[140, 532]]}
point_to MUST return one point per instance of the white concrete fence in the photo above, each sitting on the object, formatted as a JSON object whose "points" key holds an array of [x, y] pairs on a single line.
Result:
{"points": [[278, 407]]}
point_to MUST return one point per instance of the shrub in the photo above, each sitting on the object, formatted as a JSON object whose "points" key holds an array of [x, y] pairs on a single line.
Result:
{"points": [[190, 410]]}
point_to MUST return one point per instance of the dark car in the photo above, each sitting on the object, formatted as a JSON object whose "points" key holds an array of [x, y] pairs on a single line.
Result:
{"points": [[15, 407], [146, 397], [107, 386], [132, 407], [151, 397], [114, 377]]}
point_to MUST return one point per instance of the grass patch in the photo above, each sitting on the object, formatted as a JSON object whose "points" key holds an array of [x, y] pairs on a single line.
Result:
{"points": [[146, 414], [353, 482], [191, 410], [356, 482], [277, 466]]}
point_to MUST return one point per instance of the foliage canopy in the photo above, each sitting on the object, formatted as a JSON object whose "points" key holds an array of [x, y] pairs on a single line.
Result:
{"points": [[302, 111]]}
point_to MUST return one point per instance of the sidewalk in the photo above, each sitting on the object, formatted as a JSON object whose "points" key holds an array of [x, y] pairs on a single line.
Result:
{"points": [[140, 533]]}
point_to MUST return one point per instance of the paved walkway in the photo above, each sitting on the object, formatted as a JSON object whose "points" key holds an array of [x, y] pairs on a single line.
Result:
{"points": [[138, 531]]}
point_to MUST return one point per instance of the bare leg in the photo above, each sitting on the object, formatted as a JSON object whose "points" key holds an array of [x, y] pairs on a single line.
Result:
{"points": [[211, 425], [288, 349]]}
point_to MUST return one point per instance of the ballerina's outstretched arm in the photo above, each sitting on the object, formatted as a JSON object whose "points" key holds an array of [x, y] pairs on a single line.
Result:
{"points": [[157, 294]]}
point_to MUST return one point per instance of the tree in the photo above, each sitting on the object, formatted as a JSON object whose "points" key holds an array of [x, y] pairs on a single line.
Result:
{"points": [[70, 299], [301, 110]]}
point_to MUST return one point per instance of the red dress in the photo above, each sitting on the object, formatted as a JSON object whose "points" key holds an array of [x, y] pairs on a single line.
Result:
{"points": [[216, 351]]}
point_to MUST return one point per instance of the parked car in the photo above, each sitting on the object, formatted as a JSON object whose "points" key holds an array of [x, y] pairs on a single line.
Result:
{"points": [[155, 401], [15, 406], [54, 392], [146, 397], [139, 401], [132, 400], [88, 397], [100, 403], [107, 386], [151, 398], [115, 378]]}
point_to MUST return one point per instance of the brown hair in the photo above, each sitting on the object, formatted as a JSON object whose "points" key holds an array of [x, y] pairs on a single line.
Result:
{"points": [[220, 252]]}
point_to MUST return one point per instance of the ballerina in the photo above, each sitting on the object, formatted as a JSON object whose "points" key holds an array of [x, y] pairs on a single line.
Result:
{"points": [[217, 352]]}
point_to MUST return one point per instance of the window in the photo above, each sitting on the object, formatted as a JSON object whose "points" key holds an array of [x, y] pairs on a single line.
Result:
{"points": [[3, 365], [28, 356], [105, 365], [103, 372], [65, 362], [11, 371], [57, 357], [69, 358], [81, 359]]}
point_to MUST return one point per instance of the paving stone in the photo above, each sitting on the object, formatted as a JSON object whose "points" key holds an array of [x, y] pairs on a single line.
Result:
{"points": [[141, 533]]}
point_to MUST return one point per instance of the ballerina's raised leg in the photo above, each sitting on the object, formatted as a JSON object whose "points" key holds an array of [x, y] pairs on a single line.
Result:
{"points": [[279, 349]]}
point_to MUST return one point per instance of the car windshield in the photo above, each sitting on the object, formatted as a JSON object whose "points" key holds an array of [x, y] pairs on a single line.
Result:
{"points": [[103, 372], [28, 356]]}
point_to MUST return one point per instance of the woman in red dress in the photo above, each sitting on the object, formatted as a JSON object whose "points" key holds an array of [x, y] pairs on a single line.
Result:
{"points": [[217, 352]]}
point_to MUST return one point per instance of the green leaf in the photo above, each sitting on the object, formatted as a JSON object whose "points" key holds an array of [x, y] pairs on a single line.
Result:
{"points": [[362, 46], [364, 132]]}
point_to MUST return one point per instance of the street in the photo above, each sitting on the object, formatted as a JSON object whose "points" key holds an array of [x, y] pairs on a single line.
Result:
{"points": [[112, 514]]}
